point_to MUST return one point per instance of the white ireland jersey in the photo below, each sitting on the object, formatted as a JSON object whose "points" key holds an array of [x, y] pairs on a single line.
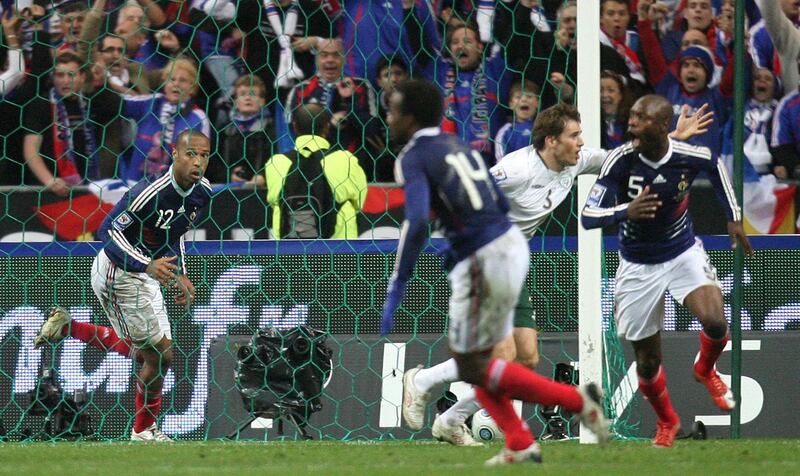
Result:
{"points": [[533, 190]]}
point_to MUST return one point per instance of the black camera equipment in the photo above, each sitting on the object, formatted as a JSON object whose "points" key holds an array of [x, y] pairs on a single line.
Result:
{"points": [[64, 414], [281, 375], [556, 426]]}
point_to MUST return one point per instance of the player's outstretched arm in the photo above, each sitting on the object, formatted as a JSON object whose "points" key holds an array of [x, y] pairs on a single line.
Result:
{"points": [[694, 125], [737, 233]]}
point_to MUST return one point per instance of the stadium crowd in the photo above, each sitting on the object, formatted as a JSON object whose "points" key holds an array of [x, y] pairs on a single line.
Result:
{"points": [[99, 90]]}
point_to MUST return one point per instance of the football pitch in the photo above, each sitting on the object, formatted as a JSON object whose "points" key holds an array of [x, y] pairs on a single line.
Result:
{"points": [[712, 457]]}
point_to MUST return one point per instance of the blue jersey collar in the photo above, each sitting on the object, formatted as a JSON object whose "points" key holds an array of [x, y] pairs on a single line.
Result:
{"points": [[661, 162], [426, 131]]}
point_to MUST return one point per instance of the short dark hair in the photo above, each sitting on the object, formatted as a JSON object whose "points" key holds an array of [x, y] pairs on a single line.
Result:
{"points": [[551, 122], [310, 119], [253, 82], [385, 63], [68, 56], [626, 2], [423, 101]]}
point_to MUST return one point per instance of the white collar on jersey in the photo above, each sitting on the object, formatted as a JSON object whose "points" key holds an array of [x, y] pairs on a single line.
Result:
{"points": [[426, 131], [661, 162], [181, 192]]}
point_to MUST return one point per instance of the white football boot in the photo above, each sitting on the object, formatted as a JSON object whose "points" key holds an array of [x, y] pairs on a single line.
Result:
{"points": [[414, 401], [151, 433], [458, 435]]}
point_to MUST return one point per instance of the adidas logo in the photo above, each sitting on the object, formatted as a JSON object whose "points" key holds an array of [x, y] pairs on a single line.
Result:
{"points": [[183, 210], [659, 179]]}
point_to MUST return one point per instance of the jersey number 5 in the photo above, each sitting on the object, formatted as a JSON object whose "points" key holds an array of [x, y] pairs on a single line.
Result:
{"points": [[468, 174], [635, 185]]}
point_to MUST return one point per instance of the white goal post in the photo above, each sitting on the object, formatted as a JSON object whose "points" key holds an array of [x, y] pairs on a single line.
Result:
{"points": [[590, 316]]}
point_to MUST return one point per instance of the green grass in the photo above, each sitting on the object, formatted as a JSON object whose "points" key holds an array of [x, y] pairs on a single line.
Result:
{"points": [[713, 457]]}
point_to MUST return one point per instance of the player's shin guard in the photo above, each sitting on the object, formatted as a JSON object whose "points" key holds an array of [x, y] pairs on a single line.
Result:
{"points": [[100, 337], [655, 391], [518, 436], [521, 383], [148, 405], [710, 349]]}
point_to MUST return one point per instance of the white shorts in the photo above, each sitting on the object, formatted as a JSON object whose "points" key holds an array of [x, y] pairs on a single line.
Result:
{"points": [[485, 288], [640, 289], [132, 301]]}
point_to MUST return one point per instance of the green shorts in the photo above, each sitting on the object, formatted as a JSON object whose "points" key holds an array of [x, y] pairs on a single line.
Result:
{"points": [[524, 313]]}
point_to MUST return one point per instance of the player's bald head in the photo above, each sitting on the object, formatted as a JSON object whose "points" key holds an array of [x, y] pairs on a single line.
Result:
{"points": [[657, 107], [185, 137]]}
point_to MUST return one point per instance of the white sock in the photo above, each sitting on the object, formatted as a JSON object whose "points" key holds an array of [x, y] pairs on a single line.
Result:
{"points": [[464, 408], [445, 372]]}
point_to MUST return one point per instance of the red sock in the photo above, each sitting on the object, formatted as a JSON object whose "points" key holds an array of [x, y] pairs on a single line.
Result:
{"points": [[518, 436], [148, 404], [709, 353], [519, 382], [655, 391], [103, 338]]}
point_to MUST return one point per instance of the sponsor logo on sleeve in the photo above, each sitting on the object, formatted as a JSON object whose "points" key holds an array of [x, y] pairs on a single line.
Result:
{"points": [[596, 195], [499, 174], [122, 221]]}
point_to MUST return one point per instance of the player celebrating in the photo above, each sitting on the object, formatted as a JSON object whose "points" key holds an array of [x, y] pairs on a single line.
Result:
{"points": [[644, 187], [143, 249], [487, 264], [535, 180]]}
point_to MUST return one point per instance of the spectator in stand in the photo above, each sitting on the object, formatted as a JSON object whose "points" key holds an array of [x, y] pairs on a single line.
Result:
{"points": [[159, 118], [614, 19], [474, 87], [615, 104], [152, 51], [524, 104], [246, 141], [11, 79], [349, 100], [71, 16], [382, 147], [785, 139], [786, 40], [371, 30], [112, 68], [762, 47], [61, 141], [691, 85], [758, 115], [281, 31]]}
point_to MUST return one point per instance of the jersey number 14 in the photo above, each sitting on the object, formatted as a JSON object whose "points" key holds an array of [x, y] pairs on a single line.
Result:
{"points": [[468, 174]]}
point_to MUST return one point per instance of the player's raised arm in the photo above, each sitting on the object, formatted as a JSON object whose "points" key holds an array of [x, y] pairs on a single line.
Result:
{"points": [[718, 176]]}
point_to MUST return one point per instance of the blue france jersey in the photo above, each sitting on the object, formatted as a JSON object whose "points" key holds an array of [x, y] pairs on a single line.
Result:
{"points": [[624, 176], [441, 173], [150, 220]]}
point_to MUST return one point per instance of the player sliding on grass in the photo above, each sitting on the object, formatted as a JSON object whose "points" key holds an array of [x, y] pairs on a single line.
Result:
{"points": [[644, 188], [535, 180], [143, 249], [487, 263]]}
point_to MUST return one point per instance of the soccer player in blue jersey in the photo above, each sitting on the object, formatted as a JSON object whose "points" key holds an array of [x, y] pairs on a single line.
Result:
{"points": [[643, 187], [487, 262], [143, 250]]}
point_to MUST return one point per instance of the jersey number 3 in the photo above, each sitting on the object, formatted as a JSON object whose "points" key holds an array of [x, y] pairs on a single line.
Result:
{"points": [[468, 175]]}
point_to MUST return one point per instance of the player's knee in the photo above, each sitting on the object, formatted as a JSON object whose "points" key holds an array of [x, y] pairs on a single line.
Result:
{"points": [[472, 368], [716, 329], [647, 366], [531, 360]]}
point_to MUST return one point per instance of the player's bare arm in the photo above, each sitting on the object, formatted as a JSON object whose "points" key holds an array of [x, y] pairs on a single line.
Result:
{"points": [[163, 269], [694, 125], [737, 234], [644, 206]]}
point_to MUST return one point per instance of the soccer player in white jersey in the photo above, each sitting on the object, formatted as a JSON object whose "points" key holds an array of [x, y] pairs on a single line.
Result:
{"points": [[644, 188], [142, 251], [535, 180]]}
